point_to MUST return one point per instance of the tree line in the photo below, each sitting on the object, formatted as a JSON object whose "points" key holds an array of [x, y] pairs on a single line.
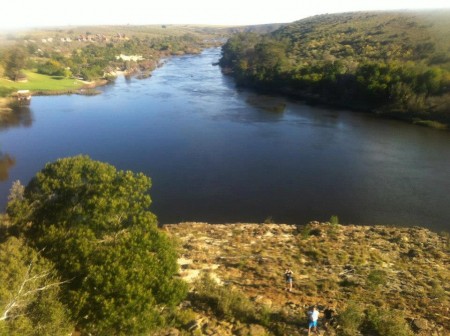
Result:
{"points": [[383, 63]]}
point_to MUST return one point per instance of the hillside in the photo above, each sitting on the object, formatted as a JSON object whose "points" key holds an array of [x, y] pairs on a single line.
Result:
{"points": [[390, 63], [397, 275], [410, 36]]}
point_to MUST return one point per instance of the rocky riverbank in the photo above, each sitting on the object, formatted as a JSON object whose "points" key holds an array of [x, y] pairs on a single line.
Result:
{"points": [[382, 270]]}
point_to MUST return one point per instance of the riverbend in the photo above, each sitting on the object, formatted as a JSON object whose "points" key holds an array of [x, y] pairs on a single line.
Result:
{"points": [[219, 154]]}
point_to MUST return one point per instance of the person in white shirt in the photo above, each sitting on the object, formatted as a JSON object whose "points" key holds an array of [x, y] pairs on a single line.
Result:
{"points": [[313, 316]]}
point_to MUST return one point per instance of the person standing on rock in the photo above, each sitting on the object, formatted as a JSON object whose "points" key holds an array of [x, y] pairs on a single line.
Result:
{"points": [[288, 276], [313, 317]]}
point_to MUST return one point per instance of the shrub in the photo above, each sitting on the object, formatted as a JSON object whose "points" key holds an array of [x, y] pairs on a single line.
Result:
{"points": [[384, 322], [225, 301], [351, 320], [376, 278], [334, 220], [269, 220], [329, 284], [305, 231], [437, 291]]}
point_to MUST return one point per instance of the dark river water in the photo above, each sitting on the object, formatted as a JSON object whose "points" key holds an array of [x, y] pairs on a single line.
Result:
{"points": [[219, 154]]}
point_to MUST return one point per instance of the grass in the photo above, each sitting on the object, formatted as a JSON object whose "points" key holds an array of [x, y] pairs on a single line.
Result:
{"points": [[38, 82]]}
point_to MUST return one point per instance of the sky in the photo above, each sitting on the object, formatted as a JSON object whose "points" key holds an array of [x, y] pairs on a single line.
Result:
{"points": [[20, 14]]}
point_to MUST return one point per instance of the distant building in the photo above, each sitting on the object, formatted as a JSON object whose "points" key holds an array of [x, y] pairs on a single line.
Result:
{"points": [[23, 97], [133, 58]]}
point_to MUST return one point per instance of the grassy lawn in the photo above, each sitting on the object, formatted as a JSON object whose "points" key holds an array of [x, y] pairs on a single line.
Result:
{"points": [[38, 82]]}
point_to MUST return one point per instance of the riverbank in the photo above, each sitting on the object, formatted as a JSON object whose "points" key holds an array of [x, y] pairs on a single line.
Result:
{"points": [[400, 271], [44, 85], [420, 119], [79, 87]]}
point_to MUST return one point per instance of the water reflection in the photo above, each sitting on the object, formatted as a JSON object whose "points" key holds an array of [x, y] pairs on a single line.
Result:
{"points": [[6, 162], [18, 117], [267, 103]]}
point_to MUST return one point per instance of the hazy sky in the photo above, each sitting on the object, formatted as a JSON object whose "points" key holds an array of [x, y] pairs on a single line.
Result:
{"points": [[39, 13]]}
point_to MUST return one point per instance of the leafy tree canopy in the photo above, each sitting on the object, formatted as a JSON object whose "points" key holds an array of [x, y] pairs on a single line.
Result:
{"points": [[29, 293], [93, 222], [15, 60]]}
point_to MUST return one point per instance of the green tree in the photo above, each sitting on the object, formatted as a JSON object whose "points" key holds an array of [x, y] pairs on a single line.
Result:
{"points": [[15, 60], [269, 59], [52, 68], [93, 222], [29, 293]]}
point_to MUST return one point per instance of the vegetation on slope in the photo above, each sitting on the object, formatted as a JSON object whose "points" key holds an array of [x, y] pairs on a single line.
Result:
{"points": [[376, 280], [391, 63]]}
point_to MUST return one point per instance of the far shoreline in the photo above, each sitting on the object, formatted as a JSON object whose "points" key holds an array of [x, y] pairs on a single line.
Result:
{"points": [[89, 89]]}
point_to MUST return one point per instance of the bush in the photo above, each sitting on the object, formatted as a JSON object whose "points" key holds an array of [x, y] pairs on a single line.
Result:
{"points": [[384, 322], [334, 220], [51, 68], [305, 231], [376, 278], [351, 320], [225, 301]]}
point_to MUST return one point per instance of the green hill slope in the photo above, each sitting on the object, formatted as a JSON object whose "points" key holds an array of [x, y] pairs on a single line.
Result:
{"points": [[388, 62], [420, 37]]}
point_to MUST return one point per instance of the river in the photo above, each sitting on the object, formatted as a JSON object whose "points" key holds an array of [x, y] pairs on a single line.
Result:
{"points": [[220, 154]]}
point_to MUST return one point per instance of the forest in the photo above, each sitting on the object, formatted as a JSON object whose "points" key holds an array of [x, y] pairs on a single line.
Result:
{"points": [[393, 64]]}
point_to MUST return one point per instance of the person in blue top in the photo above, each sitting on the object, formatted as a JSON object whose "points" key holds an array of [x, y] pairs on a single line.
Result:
{"points": [[288, 275]]}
